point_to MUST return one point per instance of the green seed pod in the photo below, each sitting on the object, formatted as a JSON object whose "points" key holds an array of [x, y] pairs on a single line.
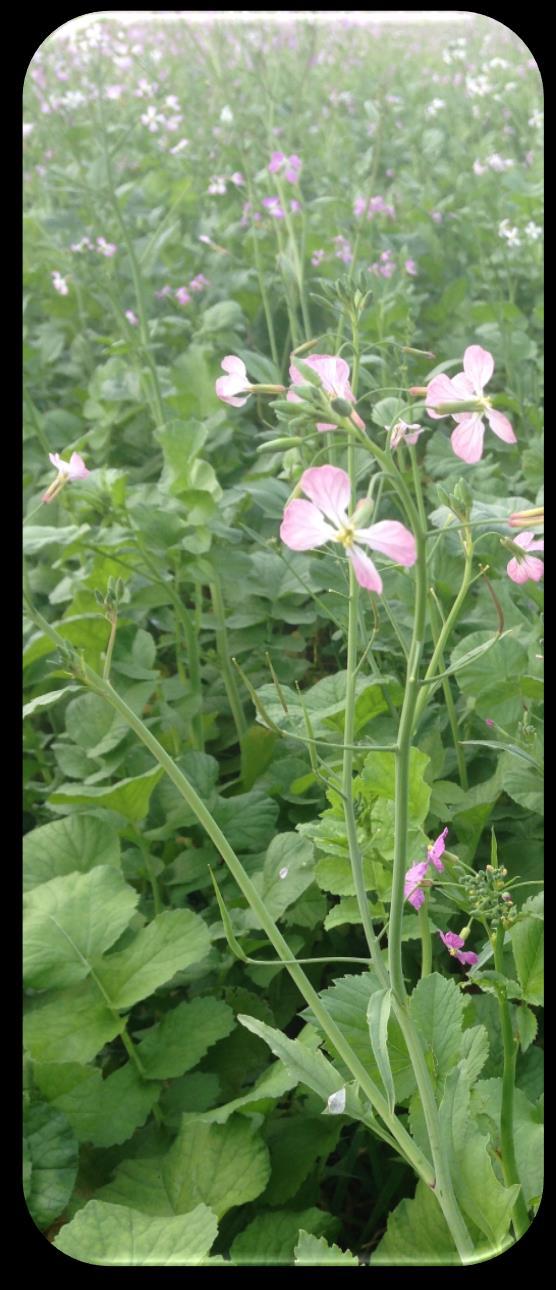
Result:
{"points": [[342, 407]]}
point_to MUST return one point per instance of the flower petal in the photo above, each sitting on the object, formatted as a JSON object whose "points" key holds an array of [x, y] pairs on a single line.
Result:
{"points": [[303, 527], [467, 438], [77, 468], [329, 488], [529, 569], [468, 956], [364, 570], [501, 426], [392, 539], [438, 848], [529, 542], [463, 385], [231, 363], [413, 878], [440, 390], [478, 365]]}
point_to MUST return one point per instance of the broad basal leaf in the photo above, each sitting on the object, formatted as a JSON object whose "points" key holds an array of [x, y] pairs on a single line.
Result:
{"points": [[173, 941], [116, 1236], [70, 921]]}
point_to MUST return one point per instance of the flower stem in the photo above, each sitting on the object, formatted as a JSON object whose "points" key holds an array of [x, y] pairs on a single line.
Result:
{"points": [[426, 943], [225, 659], [520, 1216], [447, 627]]}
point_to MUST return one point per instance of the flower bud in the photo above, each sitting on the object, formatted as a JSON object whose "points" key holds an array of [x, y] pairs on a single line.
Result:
{"points": [[342, 407], [363, 511]]}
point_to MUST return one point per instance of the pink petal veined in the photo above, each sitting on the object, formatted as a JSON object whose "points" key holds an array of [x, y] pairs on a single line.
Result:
{"points": [[329, 488], [440, 390], [478, 365], [529, 569], [303, 527], [364, 569], [231, 363], [392, 539], [467, 438], [467, 956], [412, 890], [501, 426], [438, 848], [463, 385], [529, 542]]}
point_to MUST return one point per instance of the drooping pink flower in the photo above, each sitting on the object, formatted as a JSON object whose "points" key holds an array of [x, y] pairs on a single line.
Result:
{"points": [[527, 567], [182, 296], [438, 848], [324, 518], [235, 383], [467, 438], [411, 268], [454, 944], [407, 431], [68, 471], [334, 376], [412, 887]]}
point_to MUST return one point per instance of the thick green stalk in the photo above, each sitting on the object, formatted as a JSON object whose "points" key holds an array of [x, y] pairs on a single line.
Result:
{"points": [[520, 1216], [425, 932]]}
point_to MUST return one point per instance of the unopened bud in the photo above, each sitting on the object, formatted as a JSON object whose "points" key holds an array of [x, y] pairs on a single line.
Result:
{"points": [[364, 510], [274, 445], [342, 407], [420, 390], [527, 519], [465, 932]]}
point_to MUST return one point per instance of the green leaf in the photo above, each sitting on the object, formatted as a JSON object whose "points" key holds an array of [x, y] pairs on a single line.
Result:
{"points": [[47, 700], [70, 1028], [416, 1235], [271, 1238], [287, 872], [378, 1014], [295, 1144], [486, 1100], [248, 820], [313, 1251], [74, 844], [173, 941], [261, 1097], [181, 442], [526, 1026], [308, 1067], [139, 1184], [524, 784], [38, 536], [130, 797], [89, 719], [183, 1037], [378, 780], [527, 938], [491, 679], [114, 1235], [482, 1197], [70, 921], [53, 1154], [347, 1001], [222, 1165], [436, 1007], [104, 1112]]}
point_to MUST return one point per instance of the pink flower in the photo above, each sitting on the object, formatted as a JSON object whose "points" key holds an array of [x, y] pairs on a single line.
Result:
{"points": [[411, 268], [308, 525], [164, 291], [290, 165], [276, 162], [334, 375], [68, 471], [59, 283], [316, 258], [229, 387], [237, 179], [412, 886], [132, 318], [467, 438], [409, 432], [295, 206], [526, 567], [199, 283], [272, 205], [182, 296], [489, 722], [343, 249], [453, 944], [437, 217], [438, 848], [106, 248]]}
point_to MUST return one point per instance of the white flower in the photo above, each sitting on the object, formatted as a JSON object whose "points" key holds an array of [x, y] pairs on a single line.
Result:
{"points": [[537, 119], [532, 231], [226, 115]]}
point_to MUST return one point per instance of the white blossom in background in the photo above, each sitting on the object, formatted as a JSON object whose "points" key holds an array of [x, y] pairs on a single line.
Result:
{"points": [[533, 231]]}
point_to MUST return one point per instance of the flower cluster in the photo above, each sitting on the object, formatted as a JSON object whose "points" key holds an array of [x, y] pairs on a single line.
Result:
{"points": [[526, 567], [290, 167], [108, 249], [59, 283], [372, 206], [494, 162]]}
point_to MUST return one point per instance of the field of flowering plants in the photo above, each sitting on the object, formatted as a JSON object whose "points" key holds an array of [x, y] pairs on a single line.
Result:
{"points": [[283, 640]]}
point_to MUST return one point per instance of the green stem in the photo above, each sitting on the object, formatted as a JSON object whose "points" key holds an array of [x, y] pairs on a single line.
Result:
{"points": [[153, 881], [110, 647], [225, 659], [447, 628], [520, 1216], [426, 942], [436, 623]]}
